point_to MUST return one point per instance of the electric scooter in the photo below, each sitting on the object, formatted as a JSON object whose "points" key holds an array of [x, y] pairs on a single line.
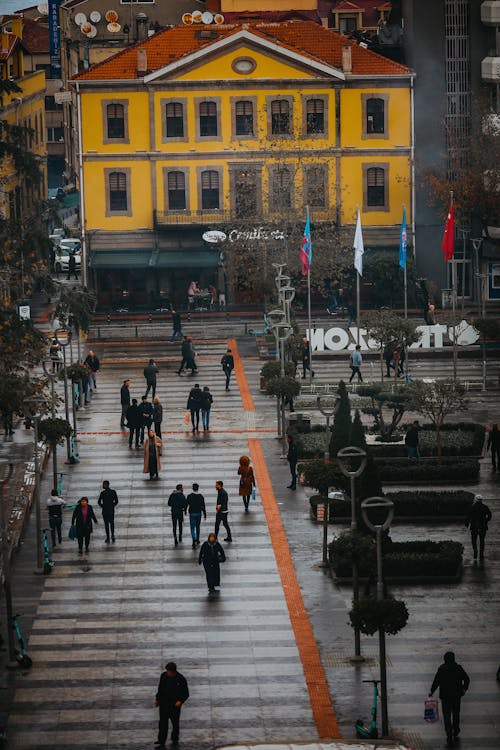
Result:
{"points": [[370, 732], [47, 562], [22, 657]]}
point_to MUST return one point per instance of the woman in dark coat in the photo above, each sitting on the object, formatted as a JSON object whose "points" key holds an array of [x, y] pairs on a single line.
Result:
{"points": [[194, 404], [247, 480], [157, 415], [83, 515], [206, 405], [211, 555]]}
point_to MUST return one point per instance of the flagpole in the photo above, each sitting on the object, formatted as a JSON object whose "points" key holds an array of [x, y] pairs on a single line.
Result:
{"points": [[405, 278], [358, 296], [309, 309]]}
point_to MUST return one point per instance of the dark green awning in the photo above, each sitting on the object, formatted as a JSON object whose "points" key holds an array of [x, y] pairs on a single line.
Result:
{"points": [[189, 259], [122, 258]]}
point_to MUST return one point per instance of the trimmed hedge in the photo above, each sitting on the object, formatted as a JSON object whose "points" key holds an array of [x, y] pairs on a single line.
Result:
{"points": [[400, 559], [462, 439], [411, 504], [408, 472]]}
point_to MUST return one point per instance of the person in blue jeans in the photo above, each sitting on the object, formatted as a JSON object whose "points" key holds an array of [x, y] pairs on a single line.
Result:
{"points": [[206, 405], [55, 504], [195, 508]]}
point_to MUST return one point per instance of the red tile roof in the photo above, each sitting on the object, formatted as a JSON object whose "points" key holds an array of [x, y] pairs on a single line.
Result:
{"points": [[35, 37], [304, 37]]}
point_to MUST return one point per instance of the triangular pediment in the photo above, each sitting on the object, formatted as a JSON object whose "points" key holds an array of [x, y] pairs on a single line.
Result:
{"points": [[245, 41]]}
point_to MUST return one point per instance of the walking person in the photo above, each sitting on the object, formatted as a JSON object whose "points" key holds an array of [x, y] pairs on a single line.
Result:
{"points": [[55, 355], [191, 357], [176, 326], [411, 441], [222, 511], [494, 445], [94, 365], [55, 504], [108, 500], [227, 363], [453, 682], [146, 412], [356, 362], [306, 357], [82, 518], [477, 520], [178, 505], [124, 400], [157, 415], [72, 267], [133, 416], [195, 507], [152, 453], [292, 457], [194, 404], [211, 555], [172, 693], [247, 480], [150, 372], [206, 405]]}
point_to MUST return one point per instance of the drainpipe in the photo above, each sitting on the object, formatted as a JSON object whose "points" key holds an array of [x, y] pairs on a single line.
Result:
{"points": [[82, 188], [412, 165]]}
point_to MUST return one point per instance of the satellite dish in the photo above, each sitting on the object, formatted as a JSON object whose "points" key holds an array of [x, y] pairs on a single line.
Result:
{"points": [[43, 9], [207, 17], [113, 27], [92, 33], [196, 15], [80, 18], [111, 16], [95, 16], [219, 18], [187, 18]]}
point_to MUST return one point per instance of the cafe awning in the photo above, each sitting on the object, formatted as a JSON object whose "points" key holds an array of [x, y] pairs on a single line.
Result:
{"points": [[187, 258], [122, 259]]}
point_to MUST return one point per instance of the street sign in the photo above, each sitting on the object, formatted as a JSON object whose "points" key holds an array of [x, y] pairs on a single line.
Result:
{"points": [[62, 96]]}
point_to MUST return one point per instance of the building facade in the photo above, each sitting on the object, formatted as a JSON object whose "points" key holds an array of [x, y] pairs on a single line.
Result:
{"points": [[238, 128]]}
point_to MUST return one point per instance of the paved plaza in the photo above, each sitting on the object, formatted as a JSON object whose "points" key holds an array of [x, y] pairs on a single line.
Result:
{"points": [[268, 658]]}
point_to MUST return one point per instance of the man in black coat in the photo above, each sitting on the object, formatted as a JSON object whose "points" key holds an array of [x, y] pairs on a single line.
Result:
{"points": [[187, 352], [291, 457], [222, 511], [211, 555], [172, 692], [477, 520], [94, 365], [108, 500], [453, 682], [227, 363], [134, 421], [176, 325], [494, 446], [194, 404], [195, 505], [124, 400], [178, 504], [150, 373], [146, 410]]}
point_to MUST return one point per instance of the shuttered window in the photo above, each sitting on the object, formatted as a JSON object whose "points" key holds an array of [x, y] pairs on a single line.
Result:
{"points": [[175, 120], [208, 118], [375, 186], [315, 116], [115, 114], [280, 117], [209, 189], [244, 118], [117, 191], [176, 191]]}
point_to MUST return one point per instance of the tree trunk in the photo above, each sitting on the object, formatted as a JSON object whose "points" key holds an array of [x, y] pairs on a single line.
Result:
{"points": [[438, 443]]}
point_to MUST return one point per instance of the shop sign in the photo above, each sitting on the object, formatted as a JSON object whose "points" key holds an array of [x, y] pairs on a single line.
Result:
{"points": [[213, 236], [255, 234], [336, 339]]}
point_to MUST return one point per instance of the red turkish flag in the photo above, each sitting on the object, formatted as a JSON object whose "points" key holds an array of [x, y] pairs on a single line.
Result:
{"points": [[448, 243]]}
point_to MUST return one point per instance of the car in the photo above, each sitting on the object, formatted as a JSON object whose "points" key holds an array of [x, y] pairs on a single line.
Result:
{"points": [[71, 244], [61, 262]]}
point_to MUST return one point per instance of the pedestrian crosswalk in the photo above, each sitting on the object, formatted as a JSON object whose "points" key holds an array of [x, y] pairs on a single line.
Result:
{"points": [[107, 622]]}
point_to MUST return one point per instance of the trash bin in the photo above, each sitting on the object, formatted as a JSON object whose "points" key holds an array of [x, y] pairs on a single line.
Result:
{"points": [[300, 422]]}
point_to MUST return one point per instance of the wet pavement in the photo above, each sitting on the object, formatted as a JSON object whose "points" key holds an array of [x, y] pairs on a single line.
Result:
{"points": [[102, 627]]}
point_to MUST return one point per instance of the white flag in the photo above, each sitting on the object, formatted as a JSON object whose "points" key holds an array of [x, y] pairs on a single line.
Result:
{"points": [[358, 247]]}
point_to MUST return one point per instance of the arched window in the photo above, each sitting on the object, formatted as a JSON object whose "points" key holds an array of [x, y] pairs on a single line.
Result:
{"points": [[210, 189], [115, 117]]}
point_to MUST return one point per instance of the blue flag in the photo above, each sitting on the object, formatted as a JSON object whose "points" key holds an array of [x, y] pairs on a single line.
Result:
{"points": [[306, 248], [402, 241]]}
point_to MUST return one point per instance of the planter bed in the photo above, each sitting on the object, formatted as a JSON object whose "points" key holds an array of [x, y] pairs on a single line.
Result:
{"points": [[412, 506], [398, 580], [464, 471]]}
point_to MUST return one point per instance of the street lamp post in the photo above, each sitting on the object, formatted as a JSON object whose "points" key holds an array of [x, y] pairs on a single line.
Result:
{"points": [[6, 562], [63, 337], [380, 502], [52, 378], [33, 411], [344, 456]]}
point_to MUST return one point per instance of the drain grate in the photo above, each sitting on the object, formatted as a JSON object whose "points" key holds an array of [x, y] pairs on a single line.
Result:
{"points": [[341, 660], [411, 739]]}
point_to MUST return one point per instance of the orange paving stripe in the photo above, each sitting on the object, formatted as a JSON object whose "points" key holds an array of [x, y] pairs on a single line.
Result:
{"points": [[239, 370], [319, 694]]}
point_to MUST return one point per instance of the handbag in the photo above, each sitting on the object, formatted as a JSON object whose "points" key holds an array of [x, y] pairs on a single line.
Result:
{"points": [[254, 493], [186, 418], [72, 532], [431, 710]]}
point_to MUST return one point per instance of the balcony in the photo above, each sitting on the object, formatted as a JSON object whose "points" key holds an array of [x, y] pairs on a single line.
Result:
{"points": [[186, 218], [490, 13], [490, 69]]}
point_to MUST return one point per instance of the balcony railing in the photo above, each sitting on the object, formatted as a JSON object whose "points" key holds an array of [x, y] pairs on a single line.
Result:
{"points": [[215, 216]]}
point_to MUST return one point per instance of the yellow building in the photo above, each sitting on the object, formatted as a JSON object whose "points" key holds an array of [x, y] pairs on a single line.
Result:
{"points": [[235, 128], [24, 108]]}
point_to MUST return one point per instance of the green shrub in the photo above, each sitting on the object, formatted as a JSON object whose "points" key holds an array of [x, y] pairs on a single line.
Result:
{"points": [[410, 504], [409, 472], [311, 444], [272, 369], [456, 442], [400, 559], [370, 615]]}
